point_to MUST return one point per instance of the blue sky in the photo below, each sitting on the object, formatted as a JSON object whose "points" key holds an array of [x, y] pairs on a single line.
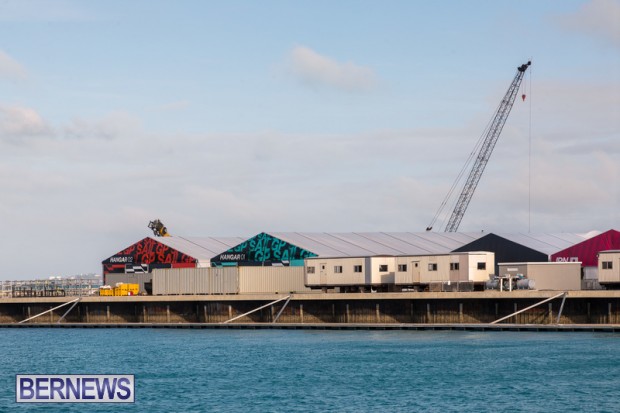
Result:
{"points": [[231, 118]]}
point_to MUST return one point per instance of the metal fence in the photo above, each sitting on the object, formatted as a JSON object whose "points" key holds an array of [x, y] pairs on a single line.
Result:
{"points": [[591, 285], [451, 286], [50, 288]]}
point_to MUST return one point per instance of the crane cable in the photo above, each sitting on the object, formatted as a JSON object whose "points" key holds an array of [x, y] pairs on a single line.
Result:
{"points": [[465, 167], [529, 162]]}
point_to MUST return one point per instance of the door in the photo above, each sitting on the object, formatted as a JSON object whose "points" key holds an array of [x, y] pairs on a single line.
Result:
{"points": [[415, 272], [323, 273]]}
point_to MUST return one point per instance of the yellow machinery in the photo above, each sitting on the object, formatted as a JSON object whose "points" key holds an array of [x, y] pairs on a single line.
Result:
{"points": [[158, 228], [121, 289]]}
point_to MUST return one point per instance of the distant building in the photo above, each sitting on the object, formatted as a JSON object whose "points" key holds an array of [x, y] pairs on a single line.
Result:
{"points": [[587, 252], [530, 247], [136, 262]]}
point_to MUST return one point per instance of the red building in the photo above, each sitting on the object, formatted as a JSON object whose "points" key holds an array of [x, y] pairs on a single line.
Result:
{"points": [[166, 252], [587, 251]]}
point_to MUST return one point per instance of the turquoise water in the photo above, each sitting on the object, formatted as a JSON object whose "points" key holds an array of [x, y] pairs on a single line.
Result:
{"points": [[338, 371]]}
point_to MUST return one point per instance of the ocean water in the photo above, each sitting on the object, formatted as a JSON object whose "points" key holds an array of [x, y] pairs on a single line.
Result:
{"points": [[325, 371]]}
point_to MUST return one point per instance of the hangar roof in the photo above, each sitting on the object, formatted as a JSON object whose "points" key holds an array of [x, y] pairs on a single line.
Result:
{"points": [[587, 251], [201, 248], [547, 243], [355, 244]]}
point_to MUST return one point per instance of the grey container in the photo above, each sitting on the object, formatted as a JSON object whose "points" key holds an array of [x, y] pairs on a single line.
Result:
{"points": [[195, 281], [269, 280]]}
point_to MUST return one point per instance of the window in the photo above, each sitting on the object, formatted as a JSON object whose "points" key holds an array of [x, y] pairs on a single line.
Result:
{"points": [[454, 266], [482, 265], [338, 269], [416, 265], [607, 265], [432, 267], [383, 267], [310, 270], [357, 268], [402, 267]]}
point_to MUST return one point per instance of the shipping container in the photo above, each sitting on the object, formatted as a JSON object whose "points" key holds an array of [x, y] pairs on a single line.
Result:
{"points": [[223, 280], [229, 280], [271, 279], [178, 281]]}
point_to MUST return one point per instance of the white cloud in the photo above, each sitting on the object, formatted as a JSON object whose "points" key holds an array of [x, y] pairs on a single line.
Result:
{"points": [[600, 18], [106, 128], [19, 122], [318, 70], [99, 181], [10, 68]]}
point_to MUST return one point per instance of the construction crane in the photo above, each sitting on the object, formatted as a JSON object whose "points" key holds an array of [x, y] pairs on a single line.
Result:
{"points": [[158, 228], [486, 148]]}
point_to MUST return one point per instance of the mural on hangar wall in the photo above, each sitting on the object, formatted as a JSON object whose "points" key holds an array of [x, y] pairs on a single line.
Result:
{"points": [[146, 251], [263, 249]]}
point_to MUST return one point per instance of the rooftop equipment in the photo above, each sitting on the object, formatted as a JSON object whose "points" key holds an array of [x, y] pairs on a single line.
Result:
{"points": [[158, 228]]}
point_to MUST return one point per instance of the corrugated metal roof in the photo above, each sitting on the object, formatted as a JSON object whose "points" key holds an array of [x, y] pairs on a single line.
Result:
{"points": [[434, 242], [307, 241], [547, 243], [201, 248], [353, 244]]}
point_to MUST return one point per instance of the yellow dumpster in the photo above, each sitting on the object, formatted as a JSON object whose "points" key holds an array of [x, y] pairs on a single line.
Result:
{"points": [[123, 289], [106, 290]]}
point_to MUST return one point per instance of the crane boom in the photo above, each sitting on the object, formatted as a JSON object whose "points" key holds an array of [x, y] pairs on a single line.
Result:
{"points": [[486, 149]]}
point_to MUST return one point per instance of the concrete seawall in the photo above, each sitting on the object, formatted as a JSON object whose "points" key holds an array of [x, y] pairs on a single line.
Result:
{"points": [[585, 308]]}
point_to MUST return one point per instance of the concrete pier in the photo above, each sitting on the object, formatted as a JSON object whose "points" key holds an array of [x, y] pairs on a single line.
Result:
{"points": [[332, 310], [601, 328]]}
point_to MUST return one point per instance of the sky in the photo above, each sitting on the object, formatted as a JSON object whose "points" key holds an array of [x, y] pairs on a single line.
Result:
{"points": [[230, 118]]}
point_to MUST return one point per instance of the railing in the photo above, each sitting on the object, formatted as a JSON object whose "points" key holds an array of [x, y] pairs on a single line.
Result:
{"points": [[79, 287], [451, 286]]}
